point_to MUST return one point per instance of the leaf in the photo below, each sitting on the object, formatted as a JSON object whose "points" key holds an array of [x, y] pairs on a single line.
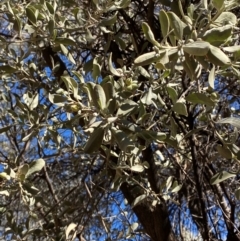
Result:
{"points": [[149, 34], [224, 152], [137, 168], [110, 21], [65, 41], [23, 169], [211, 77], [172, 93], [35, 166], [230, 120], [49, 7], [138, 200], [112, 69], [51, 26], [134, 226], [5, 193], [71, 84], [127, 108], [152, 135], [96, 69], [180, 108], [232, 49], [218, 36], [70, 227], [218, 4], [7, 69], [99, 97], [199, 98], [57, 99], [123, 140], [4, 129], [221, 176], [225, 18], [177, 25], [197, 48], [175, 187], [67, 53], [146, 59], [31, 16], [95, 140], [237, 194], [4, 175], [148, 97], [164, 22]]}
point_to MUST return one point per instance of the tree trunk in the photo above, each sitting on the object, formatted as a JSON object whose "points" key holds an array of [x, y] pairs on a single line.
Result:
{"points": [[155, 220]]}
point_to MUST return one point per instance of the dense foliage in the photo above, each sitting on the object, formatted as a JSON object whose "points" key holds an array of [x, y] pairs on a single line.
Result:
{"points": [[119, 120]]}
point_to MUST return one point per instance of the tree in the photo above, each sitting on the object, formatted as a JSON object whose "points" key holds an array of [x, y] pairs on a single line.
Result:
{"points": [[120, 120]]}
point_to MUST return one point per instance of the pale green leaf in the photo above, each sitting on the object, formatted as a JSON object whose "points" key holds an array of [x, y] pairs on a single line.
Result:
{"points": [[149, 34], [70, 228], [199, 98], [218, 36], [99, 97], [164, 22], [197, 48], [35, 166], [172, 93], [5, 193], [180, 108], [137, 168], [211, 77], [67, 53], [224, 152], [109, 21], [57, 99], [127, 108], [230, 120], [177, 24], [138, 200], [218, 4], [221, 176]]}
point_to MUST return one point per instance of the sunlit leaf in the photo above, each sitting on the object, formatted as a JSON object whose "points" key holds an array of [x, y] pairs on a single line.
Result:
{"points": [[221, 176], [164, 22], [198, 48], [138, 200], [211, 77], [70, 228], [230, 120], [35, 166]]}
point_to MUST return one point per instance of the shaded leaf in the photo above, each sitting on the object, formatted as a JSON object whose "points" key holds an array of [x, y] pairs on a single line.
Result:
{"points": [[127, 108], [95, 140], [4, 129], [172, 93], [199, 98], [180, 108]]}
